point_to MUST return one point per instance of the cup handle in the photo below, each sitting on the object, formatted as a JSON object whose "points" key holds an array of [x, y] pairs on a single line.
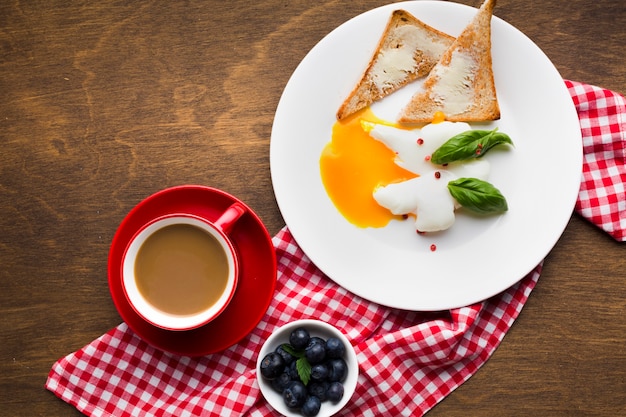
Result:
{"points": [[226, 221]]}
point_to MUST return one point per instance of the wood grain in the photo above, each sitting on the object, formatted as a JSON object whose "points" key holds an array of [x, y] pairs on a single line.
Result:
{"points": [[104, 103]]}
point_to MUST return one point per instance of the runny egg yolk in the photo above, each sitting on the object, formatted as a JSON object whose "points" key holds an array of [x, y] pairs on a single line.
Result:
{"points": [[353, 165]]}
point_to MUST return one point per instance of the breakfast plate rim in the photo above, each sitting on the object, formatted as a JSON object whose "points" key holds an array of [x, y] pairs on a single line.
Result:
{"points": [[351, 262]]}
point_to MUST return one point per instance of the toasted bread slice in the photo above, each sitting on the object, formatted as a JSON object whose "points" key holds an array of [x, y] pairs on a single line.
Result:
{"points": [[461, 85], [408, 49]]}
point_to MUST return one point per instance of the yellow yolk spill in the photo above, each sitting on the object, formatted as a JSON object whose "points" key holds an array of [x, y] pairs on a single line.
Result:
{"points": [[353, 165], [439, 117]]}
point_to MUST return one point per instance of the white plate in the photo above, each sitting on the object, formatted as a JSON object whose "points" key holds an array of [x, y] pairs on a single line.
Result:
{"points": [[476, 258]]}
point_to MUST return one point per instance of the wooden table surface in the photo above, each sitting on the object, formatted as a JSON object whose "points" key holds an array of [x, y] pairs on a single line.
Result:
{"points": [[104, 103]]}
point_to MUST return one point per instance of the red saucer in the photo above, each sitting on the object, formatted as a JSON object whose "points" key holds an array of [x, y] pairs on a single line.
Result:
{"points": [[257, 280]]}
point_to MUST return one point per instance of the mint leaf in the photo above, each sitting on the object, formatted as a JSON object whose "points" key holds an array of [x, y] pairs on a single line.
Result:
{"points": [[293, 352], [302, 364], [304, 370], [468, 145], [477, 195]]}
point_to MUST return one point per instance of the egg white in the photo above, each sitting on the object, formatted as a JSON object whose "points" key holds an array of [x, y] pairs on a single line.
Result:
{"points": [[426, 196]]}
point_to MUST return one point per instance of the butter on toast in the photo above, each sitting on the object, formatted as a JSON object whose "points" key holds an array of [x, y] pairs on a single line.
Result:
{"points": [[408, 49], [461, 85]]}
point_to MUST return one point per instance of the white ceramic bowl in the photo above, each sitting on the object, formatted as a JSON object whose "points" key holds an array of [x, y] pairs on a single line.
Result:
{"points": [[315, 328]]}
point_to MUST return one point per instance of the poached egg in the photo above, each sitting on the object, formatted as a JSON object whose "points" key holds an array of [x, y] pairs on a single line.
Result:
{"points": [[375, 171]]}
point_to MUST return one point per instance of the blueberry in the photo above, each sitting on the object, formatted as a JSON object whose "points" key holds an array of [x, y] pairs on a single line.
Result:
{"points": [[311, 406], [319, 372], [315, 353], [318, 388], [292, 370], [335, 348], [316, 340], [287, 357], [335, 392], [272, 365], [281, 382], [295, 394], [299, 338], [338, 370]]}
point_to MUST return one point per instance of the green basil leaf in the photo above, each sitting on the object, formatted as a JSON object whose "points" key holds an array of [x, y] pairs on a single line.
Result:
{"points": [[469, 144], [477, 195], [304, 370]]}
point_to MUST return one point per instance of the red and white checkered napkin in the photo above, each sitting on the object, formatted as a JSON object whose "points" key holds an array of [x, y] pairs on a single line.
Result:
{"points": [[409, 361], [602, 196]]}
